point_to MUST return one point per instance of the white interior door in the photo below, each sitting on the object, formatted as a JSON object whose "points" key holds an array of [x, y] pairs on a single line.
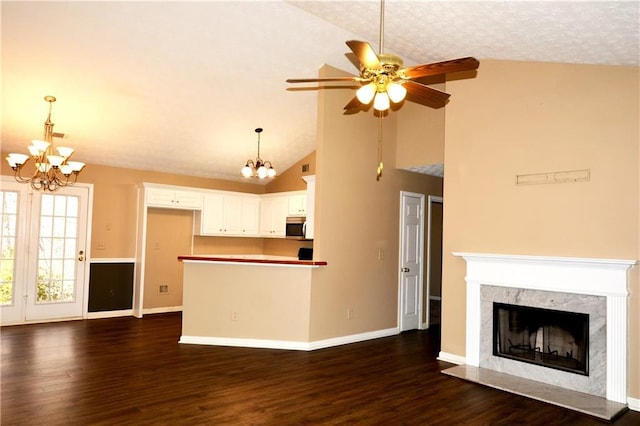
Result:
{"points": [[57, 254], [411, 259]]}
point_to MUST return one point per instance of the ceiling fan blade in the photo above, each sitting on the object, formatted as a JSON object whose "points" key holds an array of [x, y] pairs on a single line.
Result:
{"points": [[353, 103], [317, 80], [454, 65], [425, 95], [366, 55]]}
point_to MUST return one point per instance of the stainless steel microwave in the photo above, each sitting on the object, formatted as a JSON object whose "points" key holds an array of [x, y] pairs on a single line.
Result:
{"points": [[295, 227]]}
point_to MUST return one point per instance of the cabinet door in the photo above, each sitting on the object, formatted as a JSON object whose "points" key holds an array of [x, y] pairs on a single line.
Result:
{"points": [[279, 216], [231, 211], [297, 205], [212, 216], [250, 217], [174, 199], [273, 216], [160, 197], [188, 200]]}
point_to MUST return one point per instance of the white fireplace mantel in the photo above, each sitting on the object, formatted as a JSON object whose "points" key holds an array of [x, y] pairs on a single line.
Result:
{"points": [[599, 277]]}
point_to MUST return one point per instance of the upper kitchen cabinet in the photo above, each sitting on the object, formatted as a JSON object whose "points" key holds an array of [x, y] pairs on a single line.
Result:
{"points": [[297, 204], [175, 199], [273, 215], [228, 215]]}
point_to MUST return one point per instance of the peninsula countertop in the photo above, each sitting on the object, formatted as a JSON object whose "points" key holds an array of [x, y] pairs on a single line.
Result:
{"points": [[256, 259]]}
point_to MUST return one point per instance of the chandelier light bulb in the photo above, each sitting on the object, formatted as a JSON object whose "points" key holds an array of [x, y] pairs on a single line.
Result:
{"points": [[262, 172], [396, 92], [246, 171], [366, 93], [381, 101], [40, 145], [271, 172], [65, 151], [76, 166], [55, 160], [16, 159]]}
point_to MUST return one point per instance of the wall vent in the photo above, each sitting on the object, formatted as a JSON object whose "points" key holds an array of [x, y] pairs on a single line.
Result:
{"points": [[305, 168]]}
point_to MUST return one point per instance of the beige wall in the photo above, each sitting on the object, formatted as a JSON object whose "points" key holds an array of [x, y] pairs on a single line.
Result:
{"points": [[168, 236], [420, 139], [291, 179], [356, 216], [521, 118], [270, 302]]}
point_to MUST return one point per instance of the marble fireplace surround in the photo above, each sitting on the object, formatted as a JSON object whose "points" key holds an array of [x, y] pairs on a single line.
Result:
{"points": [[580, 276]]}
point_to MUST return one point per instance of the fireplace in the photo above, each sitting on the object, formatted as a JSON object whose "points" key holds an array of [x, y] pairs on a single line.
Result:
{"points": [[596, 289], [547, 337]]}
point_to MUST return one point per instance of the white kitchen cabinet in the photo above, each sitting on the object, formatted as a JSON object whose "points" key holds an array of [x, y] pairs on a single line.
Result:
{"points": [[273, 216], [228, 215], [169, 198], [297, 204]]}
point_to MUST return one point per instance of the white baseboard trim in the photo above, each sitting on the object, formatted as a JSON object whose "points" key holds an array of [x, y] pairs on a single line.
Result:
{"points": [[453, 359], [110, 314], [287, 344], [162, 310], [353, 338], [244, 343], [634, 404]]}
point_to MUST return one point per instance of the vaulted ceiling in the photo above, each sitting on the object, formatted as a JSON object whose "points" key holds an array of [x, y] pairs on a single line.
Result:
{"points": [[181, 86]]}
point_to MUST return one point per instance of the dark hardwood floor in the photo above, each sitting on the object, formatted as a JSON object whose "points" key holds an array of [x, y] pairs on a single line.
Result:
{"points": [[133, 371]]}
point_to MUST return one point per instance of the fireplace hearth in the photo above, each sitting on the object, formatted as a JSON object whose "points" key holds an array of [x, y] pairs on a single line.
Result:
{"points": [[547, 337]]}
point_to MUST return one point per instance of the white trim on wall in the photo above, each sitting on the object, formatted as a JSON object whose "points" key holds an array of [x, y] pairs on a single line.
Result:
{"points": [[288, 344]]}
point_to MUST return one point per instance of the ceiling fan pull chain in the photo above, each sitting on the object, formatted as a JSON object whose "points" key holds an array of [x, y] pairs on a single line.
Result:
{"points": [[380, 165]]}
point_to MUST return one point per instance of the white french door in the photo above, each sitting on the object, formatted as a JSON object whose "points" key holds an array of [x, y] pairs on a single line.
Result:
{"points": [[48, 254]]}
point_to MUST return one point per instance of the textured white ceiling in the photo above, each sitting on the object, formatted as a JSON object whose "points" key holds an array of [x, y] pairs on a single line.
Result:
{"points": [[181, 86]]}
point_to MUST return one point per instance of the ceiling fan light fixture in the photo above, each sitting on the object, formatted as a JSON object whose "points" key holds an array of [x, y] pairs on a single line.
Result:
{"points": [[381, 101], [396, 92], [366, 93]]}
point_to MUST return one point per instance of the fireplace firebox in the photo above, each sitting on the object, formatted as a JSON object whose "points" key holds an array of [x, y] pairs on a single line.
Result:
{"points": [[552, 338]]}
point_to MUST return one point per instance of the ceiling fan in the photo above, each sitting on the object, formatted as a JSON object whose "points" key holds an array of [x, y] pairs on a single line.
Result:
{"points": [[385, 81]]}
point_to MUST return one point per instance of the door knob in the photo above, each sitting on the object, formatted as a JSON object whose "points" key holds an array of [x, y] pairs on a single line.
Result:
{"points": [[81, 256], [404, 270]]}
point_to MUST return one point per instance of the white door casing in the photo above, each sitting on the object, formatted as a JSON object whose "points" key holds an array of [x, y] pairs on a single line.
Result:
{"points": [[411, 260]]}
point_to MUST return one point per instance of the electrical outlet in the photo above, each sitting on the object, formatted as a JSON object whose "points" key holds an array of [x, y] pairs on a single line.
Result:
{"points": [[349, 313], [234, 316], [163, 288], [380, 254]]}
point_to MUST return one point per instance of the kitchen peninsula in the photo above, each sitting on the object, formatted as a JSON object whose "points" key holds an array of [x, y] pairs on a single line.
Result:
{"points": [[247, 300]]}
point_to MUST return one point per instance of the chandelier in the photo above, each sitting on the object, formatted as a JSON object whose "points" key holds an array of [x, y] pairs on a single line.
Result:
{"points": [[258, 168], [51, 171]]}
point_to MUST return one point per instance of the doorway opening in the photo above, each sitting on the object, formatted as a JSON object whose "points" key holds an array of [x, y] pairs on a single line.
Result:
{"points": [[433, 288]]}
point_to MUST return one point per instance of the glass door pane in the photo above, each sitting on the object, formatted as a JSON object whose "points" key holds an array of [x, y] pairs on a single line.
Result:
{"points": [[8, 234]]}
